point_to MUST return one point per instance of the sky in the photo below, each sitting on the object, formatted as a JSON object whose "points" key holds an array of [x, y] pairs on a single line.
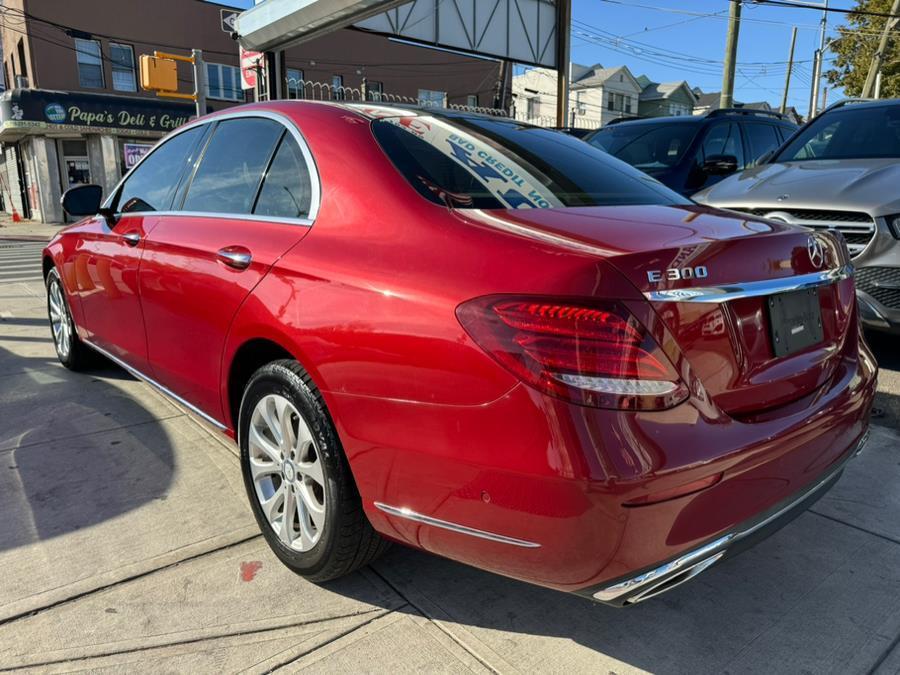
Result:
{"points": [[672, 40]]}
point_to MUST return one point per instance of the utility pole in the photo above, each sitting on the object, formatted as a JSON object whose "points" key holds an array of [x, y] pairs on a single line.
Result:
{"points": [[814, 93], [199, 81], [726, 98], [878, 58], [787, 79], [563, 30], [878, 85]]}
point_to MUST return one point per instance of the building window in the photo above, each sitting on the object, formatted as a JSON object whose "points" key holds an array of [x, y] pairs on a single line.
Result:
{"points": [[337, 87], [472, 100], [294, 83], [534, 106], [23, 67], [580, 108], [429, 97], [374, 90], [122, 58], [223, 82], [618, 102], [7, 84], [90, 63]]}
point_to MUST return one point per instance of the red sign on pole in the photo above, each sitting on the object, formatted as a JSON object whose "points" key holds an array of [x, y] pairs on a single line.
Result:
{"points": [[251, 65]]}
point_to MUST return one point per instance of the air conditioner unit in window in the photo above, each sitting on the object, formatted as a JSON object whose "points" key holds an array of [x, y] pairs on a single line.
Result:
{"points": [[22, 82]]}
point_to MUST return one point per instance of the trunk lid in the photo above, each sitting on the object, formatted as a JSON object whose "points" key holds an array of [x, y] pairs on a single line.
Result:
{"points": [[729, 345]]}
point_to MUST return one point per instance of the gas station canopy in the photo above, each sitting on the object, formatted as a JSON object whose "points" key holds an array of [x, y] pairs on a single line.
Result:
{"points": [[524, 31]]}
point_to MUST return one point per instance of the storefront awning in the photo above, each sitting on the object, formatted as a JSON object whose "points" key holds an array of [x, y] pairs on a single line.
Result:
{"points": [[44, 112]]}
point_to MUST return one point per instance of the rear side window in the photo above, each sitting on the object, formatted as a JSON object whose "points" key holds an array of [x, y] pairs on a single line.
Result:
{"points": [[723, 139], [230, 172], [286, 190], [761, 138], [480, 162], [152, 184]]}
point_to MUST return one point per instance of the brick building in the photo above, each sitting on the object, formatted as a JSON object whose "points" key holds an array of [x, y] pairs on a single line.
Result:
{"points": [[73, 111]]}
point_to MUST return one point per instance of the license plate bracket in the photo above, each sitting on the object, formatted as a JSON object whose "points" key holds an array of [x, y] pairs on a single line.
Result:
{"points": [[795, 321]]}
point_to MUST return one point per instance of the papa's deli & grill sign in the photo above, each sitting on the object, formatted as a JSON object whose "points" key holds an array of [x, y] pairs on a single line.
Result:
{"points": [[84, 113]]}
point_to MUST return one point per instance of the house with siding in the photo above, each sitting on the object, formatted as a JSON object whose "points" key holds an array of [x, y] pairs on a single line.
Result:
{"points": [[665, 98], [597, 95]]}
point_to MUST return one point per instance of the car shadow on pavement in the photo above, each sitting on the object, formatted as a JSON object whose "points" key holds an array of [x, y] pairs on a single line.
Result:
{"points": [[76, 449]]}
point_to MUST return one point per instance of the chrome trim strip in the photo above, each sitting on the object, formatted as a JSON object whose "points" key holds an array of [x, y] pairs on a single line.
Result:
{"points": [[751, 289], [149, 380], [631, 588], [304, 222], [453, 527], [314, 179]]}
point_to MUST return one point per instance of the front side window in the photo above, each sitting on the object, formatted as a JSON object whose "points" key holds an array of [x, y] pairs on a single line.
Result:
{"points": [[151, 186], [851, 132], [122, 58], [230, 172], [648, 147], [90, 63], [286, 191], [223, 82], [475, 162], [723, 139]]}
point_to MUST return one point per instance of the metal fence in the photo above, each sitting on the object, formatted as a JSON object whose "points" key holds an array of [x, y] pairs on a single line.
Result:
{"points": [[322, 91]]}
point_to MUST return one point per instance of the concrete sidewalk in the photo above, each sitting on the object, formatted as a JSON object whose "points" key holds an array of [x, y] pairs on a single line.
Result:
{"points": [[126, 543]]}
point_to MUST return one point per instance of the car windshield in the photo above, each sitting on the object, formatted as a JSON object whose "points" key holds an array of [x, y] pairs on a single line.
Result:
{"points": [[647, 146], [479, 162], [851, 132]]}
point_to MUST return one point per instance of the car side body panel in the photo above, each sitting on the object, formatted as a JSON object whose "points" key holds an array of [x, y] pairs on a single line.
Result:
{"points": [[190, 295]]}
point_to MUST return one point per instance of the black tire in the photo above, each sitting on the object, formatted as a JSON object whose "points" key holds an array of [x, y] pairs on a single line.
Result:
{"points": [[78, 356], [347, 540]]}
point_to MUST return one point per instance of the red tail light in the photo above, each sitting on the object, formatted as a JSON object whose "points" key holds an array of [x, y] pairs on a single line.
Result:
{"points": [[593, 355]]}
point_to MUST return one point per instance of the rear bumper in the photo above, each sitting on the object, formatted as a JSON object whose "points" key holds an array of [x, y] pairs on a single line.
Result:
{"points": [[666, 576]]}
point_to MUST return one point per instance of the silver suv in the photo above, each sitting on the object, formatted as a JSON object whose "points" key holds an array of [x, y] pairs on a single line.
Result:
{"points": [[839, 172]]}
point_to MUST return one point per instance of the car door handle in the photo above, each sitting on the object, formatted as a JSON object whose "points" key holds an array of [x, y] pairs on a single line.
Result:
{"points": [[237, 257], [132, 238]]}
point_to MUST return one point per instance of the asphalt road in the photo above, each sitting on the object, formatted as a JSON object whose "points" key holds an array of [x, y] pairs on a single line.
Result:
{"points": [[126, 543]]}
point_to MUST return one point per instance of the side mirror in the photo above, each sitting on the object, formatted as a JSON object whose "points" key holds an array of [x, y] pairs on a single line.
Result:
{"points": [[82, 200], [720, 165]]}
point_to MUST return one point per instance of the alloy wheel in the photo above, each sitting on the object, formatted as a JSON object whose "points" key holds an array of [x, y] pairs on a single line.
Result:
{"points": [[60, 321], [286, 468]]}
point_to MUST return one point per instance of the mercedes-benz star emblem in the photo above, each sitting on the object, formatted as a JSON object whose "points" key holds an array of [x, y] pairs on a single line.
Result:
{"points": [[816, 252]]}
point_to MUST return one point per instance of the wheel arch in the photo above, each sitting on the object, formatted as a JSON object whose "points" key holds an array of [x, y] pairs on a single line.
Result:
{"points": [[248, 357]]}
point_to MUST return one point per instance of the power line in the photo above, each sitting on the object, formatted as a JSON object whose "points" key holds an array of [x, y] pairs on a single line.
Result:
{"points": [[821, 8]]}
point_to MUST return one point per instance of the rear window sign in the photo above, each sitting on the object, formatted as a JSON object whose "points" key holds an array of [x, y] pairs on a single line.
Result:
{"points": [[503, 177]]}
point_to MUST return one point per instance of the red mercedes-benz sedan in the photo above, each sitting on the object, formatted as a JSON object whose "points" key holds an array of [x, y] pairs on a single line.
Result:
{"points": [[484, 339]]}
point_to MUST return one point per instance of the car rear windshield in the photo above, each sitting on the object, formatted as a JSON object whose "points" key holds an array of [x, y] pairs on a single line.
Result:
{"points": [[851, 132], [469, 162], [647, 146]]}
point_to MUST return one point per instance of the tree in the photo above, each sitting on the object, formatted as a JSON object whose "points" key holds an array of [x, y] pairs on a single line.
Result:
{"points": [[855, 46]]}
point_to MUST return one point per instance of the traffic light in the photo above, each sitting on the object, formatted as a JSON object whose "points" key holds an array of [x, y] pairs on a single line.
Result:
{"points": [[158, 74]]}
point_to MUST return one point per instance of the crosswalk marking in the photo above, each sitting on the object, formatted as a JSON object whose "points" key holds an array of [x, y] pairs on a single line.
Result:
{"points": [[20, 260]]}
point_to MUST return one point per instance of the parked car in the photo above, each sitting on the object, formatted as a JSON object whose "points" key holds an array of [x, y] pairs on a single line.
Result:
{"points": [[489, 341], [688, 153], [840, 172]]}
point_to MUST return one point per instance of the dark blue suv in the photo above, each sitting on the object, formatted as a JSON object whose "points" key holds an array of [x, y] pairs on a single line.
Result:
{"points": [[690, 153]]}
